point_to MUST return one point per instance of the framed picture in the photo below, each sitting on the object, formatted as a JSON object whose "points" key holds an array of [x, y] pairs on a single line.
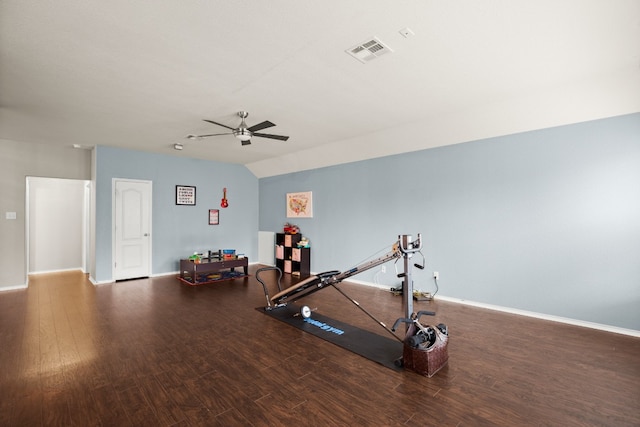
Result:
{"points": [[214, 216], [185, 195], [300, 205]]}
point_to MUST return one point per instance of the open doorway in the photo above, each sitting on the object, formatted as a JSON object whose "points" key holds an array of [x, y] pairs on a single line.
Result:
{"points": [[57, 224]]}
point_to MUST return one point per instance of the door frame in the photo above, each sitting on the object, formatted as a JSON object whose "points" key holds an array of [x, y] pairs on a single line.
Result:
{"points": [[113, 222], [87, 255]]}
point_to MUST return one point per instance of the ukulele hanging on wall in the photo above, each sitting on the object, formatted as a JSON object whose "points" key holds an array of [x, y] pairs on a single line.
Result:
{"points": [[224, 202]]}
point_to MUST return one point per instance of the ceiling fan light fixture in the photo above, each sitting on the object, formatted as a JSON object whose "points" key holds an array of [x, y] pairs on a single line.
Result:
{"points": [[242, 134]]}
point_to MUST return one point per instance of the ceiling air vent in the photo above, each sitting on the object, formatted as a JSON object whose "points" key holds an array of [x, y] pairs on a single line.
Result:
{"points": [[371, 49]]}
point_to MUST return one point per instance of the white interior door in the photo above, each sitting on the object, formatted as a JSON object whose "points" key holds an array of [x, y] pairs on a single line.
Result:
{"points": [[132, 229]]}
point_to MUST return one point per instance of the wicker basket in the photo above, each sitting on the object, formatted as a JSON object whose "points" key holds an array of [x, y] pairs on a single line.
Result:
{"points": [[426, 361]]}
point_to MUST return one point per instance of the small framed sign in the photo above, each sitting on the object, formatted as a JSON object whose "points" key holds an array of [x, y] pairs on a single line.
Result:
{"points": [[214, 216], [185, 195]]}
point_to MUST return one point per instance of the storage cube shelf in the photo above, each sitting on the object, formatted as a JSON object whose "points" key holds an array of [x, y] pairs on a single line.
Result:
{"points": [[289, 257]]}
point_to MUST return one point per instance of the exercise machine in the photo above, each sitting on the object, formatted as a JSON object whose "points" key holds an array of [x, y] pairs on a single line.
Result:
{"points": [[418, 337], [405, 247]]}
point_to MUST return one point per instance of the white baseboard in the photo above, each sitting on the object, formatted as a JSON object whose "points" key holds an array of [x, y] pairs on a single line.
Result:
{"points": [[559, 319], [62, 270], [170, 273], [98, 283], [13, 288], [372, 285]]}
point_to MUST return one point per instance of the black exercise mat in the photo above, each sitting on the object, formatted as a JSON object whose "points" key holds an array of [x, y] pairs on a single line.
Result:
{"points": [[382, 350]]}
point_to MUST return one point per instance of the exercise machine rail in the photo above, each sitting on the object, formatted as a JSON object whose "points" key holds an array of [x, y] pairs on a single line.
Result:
{"points": [[404, 247]]}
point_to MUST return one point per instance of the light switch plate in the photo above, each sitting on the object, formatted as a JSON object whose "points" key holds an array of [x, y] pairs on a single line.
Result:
{"points": [[10, 215]]}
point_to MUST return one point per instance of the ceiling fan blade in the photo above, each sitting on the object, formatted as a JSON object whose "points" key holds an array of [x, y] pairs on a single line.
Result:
{"points": [[247, 142], [268, 135], [260, 126], [210, 134], [219, 124]]}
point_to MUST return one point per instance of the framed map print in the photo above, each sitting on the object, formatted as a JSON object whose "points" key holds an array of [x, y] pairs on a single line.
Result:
{"points": [[300, 205]]}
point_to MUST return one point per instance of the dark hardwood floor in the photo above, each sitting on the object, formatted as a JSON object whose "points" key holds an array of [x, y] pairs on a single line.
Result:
{"points": [[160, 353]]}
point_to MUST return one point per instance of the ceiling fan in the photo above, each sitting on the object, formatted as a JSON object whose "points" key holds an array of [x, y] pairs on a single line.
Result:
{"points": [[243, 132]]}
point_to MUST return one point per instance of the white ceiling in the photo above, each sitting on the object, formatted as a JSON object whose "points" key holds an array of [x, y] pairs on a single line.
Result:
{"points": [[143, 74]]}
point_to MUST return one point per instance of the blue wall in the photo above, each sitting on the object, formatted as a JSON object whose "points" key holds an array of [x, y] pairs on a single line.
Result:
{"points": [[178, 231], [545, 221]]}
